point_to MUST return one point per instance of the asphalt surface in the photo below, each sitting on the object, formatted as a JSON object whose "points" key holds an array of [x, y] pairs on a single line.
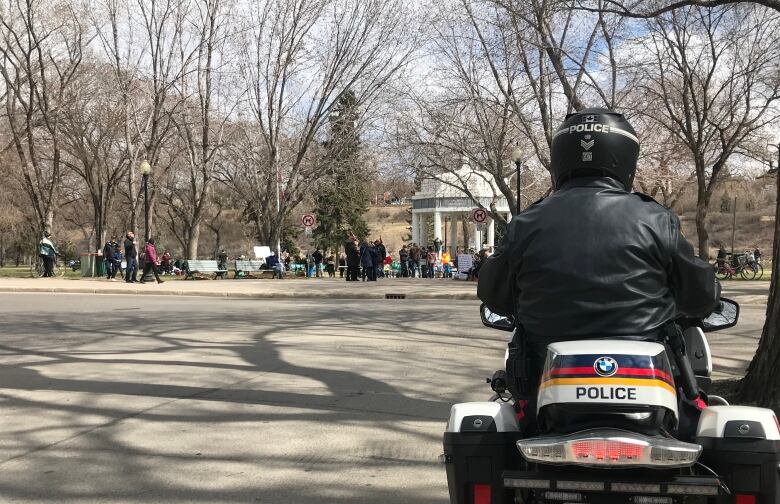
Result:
{"points": [[116, 399]]}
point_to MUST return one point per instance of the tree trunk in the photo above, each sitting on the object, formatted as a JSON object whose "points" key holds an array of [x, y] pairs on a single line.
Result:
{"points": [[193, 237], [762, 383], [701, 227]]}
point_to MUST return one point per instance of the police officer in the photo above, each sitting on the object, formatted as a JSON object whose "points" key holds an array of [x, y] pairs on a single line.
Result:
{"points": [[592, 260]]}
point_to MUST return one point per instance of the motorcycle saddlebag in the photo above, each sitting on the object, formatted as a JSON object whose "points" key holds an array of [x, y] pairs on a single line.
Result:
{"points": [[743, 447], [479, 445]]}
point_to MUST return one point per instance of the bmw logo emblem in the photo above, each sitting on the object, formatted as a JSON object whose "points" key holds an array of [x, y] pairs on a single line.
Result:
{"points": [[605, 366]]}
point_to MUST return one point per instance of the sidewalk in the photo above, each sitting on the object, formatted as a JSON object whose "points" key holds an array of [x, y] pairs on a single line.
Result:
{"points": [[292, 288], [307, 288]]}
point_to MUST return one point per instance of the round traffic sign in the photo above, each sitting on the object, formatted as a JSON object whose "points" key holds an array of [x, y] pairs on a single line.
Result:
{"points": [[308, 220], [479, 215]]}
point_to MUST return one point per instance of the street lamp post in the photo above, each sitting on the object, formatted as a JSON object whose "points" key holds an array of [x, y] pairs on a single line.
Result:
{"points": [[517, 157], [146, 169]]}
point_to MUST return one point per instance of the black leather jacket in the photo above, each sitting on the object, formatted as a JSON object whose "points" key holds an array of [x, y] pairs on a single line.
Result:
{"points": [[593, 260]]}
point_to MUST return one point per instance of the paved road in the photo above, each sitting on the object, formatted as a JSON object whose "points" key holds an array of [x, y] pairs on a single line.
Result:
{"points": [[117, 399]]}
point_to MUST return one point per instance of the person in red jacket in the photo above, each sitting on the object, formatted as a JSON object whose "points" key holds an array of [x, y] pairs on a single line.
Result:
{"points": [[151, 261]]}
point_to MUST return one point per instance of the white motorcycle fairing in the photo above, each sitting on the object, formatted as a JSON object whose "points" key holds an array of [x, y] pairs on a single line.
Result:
{"points": [[622, 372]]}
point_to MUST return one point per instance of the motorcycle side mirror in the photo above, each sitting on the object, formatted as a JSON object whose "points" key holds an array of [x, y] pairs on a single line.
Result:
{"points": [[496, 321], [724, 316]]}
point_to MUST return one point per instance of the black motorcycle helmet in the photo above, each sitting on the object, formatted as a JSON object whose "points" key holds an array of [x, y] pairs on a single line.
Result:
{"points": [[594, 142]]}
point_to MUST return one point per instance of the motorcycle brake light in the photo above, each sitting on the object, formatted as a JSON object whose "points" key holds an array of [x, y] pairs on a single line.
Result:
{"points": [[609, 447], [607, 450]]}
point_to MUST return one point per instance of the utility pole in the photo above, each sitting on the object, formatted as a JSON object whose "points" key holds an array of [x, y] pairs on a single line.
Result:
{"points": [[733, 225]]}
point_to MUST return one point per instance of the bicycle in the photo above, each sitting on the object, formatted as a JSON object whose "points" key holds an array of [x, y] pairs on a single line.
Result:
{"points": [[740, 264], [37, 269]]}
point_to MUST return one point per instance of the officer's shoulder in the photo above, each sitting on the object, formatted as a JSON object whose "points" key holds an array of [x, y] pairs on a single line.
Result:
{"points": [[649, 199]]}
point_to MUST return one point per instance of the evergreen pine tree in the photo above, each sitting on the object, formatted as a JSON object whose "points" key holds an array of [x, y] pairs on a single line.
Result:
{"points": [[342, 196]]}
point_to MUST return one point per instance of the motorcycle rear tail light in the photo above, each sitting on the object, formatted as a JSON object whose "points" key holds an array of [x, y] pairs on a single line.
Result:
{"points": [[482, 494], [609, 447], [745, 499]]}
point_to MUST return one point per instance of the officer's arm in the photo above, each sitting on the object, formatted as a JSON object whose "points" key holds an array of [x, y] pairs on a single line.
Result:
{"points": [[693, 283], [495, 282]]}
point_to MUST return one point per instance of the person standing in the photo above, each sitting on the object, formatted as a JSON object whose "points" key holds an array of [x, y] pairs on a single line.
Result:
{"points": [[353, 258], [330, 266], [403, 261], [366, 261], [432, 263], [317, 256], [48, 253], [222, 263], [131, 258], [150, 261], [437, 245], [381, 253], [414, 260]]}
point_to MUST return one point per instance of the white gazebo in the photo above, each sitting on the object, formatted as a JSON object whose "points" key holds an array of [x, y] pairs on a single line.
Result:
{"points": [[441, 198]]}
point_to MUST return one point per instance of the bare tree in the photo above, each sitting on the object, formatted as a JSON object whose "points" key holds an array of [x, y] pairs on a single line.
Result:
{"points": [[40, 52], [142, 40], [711, 78], [300, 56], [654, 8], [92, 137], [199, 120], [501, 70]]}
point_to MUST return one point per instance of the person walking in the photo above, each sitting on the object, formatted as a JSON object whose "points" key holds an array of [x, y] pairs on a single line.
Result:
{"points": [[150, 261], [48, 253], [108, 256], [116, 262], [131, 258]]}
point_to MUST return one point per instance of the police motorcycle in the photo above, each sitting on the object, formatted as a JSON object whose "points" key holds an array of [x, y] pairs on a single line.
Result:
{"points": [[611, 419]]}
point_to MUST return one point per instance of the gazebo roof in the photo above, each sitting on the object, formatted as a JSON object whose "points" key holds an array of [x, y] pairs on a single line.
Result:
{"points": [[448, 184]]}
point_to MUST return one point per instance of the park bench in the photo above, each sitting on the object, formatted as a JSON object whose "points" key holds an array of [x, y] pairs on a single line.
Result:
{"points": [[246, 269], [195, 266]]}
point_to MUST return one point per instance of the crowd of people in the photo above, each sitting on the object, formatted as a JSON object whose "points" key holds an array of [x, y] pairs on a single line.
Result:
{"points": [[366, 260]]}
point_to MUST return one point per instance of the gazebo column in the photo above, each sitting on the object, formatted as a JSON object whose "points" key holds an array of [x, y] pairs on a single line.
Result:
{"points": [[423, 233], [491, 233], [415, 227], [453, 238], [436, 225]]}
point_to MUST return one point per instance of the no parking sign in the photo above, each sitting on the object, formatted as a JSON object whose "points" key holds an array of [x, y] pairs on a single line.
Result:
{"points": [[479, 215]]}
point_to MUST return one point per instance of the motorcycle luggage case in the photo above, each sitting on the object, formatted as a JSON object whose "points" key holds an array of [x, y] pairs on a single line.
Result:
{"points": [[477, 459], [747, 466], [742, 445]]}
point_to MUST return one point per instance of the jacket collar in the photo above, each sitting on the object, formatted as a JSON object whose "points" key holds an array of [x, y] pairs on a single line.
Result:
{"points": [[595, 182]]}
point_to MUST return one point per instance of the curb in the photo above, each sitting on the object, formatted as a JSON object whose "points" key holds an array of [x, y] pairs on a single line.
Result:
{"points": [[243, 295], [457, 296]]}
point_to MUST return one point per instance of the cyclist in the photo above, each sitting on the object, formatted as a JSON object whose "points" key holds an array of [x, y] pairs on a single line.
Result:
{"points": [[47, 252]]}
